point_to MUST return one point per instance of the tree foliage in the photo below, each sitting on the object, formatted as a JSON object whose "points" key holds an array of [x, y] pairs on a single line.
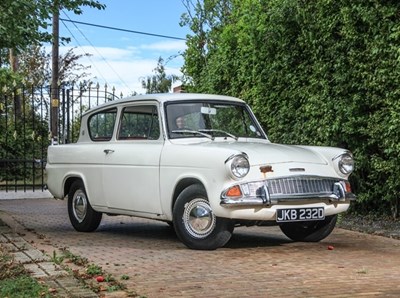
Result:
{"points": [[35, 67], [25, 22], [23, 137], [23, 27], [160, 82], [315, 72]]}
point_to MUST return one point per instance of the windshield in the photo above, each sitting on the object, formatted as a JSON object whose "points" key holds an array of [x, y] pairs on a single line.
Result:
{"points": [[211, 119]]}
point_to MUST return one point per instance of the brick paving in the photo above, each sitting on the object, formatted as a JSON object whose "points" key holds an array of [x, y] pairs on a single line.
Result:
{"points": [[257, 262], [40, 266]]}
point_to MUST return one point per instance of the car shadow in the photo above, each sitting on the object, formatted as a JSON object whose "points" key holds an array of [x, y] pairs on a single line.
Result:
{"points": [[148, 232], [254, 240]]}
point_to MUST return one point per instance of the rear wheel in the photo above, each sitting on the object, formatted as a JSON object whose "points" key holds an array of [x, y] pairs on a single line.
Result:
{"points": [[81, 214], [309, 231], [195, 223]]}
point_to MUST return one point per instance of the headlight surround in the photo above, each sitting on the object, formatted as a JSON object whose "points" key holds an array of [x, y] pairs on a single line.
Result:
{"points": [[239, 166], [346, 163]]}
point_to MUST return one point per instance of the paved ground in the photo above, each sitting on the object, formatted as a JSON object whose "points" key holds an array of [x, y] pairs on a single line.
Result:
{"points": [[257, 262]]}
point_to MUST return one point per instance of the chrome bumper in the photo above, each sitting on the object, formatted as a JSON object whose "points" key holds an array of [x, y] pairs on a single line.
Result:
{"points": [[291, 189]]}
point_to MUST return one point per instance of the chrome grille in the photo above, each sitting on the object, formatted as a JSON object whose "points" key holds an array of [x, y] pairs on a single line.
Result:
{"points": [[300, 186]]}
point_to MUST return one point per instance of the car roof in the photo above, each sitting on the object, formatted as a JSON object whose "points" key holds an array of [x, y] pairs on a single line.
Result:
{"points": [[166, 97]]}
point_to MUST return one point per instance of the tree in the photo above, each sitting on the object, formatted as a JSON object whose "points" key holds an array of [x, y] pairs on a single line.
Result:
{"points": [[27, 27], [24, 22], [160, 82], [206, 19], [35, 67]]}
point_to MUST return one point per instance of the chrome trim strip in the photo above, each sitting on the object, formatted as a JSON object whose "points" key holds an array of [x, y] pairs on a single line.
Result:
{"points": [[341, 154], [234, 155]]}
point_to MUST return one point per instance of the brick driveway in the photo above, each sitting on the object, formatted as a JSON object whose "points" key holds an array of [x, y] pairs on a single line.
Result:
{"points": [[257, 262]]}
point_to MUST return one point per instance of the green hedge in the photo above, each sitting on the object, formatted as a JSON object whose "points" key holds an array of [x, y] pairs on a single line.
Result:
{"points": [[321, 72]]}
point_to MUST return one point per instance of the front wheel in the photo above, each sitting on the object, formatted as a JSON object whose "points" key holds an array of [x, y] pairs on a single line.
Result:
{"points": [[81, 214], [309, 231], [195, 223]]}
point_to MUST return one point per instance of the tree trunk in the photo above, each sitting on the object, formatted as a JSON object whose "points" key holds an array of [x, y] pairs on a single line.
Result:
{"points": [[395, 208]]}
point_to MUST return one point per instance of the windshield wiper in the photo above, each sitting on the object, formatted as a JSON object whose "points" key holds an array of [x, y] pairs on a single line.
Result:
{"points": [[183, 131], [220, 131]]}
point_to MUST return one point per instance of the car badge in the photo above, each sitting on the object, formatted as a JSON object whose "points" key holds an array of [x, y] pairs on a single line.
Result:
{"points": [[266, 169]]}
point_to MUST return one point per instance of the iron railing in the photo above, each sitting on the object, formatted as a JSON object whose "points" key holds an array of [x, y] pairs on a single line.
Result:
{"points": [[25, 126]]}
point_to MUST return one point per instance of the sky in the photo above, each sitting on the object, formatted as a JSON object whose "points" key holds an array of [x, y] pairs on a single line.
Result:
{"points": [[122, 59]]}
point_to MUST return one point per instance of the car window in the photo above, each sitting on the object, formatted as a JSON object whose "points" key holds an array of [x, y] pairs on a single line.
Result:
{"points": [[101, 125], [233, 119], [214, 118], [139, 122]]}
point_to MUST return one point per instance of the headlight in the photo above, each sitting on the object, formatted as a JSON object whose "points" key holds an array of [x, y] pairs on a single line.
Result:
{"points": [[239, 165], [346, 163]]}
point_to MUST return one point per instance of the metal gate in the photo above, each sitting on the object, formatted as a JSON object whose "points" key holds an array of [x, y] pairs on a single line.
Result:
{"points": [[25, 126]]}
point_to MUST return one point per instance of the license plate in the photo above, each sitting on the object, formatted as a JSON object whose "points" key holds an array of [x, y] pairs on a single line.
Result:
{"points": [[300, 214]]}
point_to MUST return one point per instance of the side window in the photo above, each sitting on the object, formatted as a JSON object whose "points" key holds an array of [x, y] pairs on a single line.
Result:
{"points": [[139, 123], [101, 125]]}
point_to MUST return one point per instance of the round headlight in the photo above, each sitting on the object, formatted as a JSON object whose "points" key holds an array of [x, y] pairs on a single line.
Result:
{"points": [[346, 163], [240, 166]]}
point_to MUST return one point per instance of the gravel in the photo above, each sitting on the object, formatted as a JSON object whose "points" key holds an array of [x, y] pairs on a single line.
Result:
{"points": [[382, 226]]}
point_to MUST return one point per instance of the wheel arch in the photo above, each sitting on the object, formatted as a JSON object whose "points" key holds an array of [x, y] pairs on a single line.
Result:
{"points": [[181, 185], [68, 183]]}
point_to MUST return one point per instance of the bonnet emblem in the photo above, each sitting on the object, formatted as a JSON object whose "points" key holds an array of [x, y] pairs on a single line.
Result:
{"points": [[266, 169]]}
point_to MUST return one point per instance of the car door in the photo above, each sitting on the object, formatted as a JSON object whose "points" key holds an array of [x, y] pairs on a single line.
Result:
{"points": [[131, 164], [100, 127]]}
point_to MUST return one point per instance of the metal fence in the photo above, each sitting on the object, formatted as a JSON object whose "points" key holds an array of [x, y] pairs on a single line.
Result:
{"points": [[25, 126]]}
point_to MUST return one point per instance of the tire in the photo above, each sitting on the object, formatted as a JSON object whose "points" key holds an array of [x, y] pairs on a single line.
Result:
{"points": [[195, 224], [309, 231], [81, 214]]}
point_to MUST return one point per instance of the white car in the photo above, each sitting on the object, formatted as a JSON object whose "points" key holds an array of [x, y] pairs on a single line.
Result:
{"points": [[203, 164]]}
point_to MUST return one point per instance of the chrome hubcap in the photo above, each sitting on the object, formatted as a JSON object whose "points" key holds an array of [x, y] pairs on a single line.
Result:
{"points": [[79, 205], [198, 218]]}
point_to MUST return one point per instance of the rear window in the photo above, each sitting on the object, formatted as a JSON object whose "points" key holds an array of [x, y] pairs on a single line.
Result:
{"points": [[101, 125]]}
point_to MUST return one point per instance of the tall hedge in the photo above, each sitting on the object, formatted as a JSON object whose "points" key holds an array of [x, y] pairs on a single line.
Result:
{"points": [[323, 72]]}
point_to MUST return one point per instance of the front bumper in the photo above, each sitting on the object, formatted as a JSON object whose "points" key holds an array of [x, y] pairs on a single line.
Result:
{"points": [[269, 192]]}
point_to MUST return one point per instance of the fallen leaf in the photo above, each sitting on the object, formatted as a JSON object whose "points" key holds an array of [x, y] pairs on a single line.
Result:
{"points": [[52, 290]]}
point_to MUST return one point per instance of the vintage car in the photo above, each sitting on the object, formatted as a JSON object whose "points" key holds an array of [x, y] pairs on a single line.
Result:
{"points": [[201, 163]]}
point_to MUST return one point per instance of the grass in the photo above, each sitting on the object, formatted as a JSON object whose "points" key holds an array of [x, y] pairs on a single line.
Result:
{"points": [[22, 286], [94, 269], [15, 281], [362, 271], [88, 273], [77, 260]]}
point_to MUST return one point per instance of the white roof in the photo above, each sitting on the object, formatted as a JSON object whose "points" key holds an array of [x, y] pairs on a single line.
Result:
{"points": [[165, 97]]}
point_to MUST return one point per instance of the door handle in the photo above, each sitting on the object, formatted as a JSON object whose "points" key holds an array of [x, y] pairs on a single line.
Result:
{"points": [[108, 151]]}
